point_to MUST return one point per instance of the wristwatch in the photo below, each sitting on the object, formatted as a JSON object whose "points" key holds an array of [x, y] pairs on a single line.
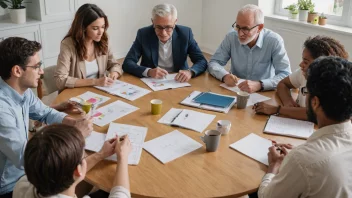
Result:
{"points": [[261, 86]]}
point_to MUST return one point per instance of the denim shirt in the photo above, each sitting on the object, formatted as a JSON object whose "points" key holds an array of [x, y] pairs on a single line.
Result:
{"points": [[15, 112], [266, 61]]}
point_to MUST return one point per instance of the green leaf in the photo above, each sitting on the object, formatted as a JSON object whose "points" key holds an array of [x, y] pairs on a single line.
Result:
{"points": [[3, 5]]}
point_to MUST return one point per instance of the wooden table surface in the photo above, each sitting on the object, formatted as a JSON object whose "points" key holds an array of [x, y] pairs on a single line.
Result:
{"points": [[224, 173]]}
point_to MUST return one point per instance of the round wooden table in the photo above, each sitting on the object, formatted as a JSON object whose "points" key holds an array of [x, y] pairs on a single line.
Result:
{"points": [[224, 173]]}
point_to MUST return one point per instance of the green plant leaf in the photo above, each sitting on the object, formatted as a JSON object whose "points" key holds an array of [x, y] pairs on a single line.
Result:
{"points": [[3, 4]]}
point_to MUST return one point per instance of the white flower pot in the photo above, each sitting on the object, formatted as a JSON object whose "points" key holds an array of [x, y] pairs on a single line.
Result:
{"points": [[293, 16], [18, 15], [303, 15]]}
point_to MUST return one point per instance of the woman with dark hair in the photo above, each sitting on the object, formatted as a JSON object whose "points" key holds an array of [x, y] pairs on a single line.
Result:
{"points": [[55, 163], [314, 47], [85, 55]]}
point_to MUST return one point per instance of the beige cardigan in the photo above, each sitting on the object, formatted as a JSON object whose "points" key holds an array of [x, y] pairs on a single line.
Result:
{"points": [[69, 68]]}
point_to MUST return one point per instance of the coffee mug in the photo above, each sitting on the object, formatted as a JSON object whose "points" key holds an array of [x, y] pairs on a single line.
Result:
{"points": [[211, 139], [223, 126], [86, 106], [156, 105], [242, 98]]}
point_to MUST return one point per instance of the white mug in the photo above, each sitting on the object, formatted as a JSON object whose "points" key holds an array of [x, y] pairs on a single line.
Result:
{"points": [[223, 126]]}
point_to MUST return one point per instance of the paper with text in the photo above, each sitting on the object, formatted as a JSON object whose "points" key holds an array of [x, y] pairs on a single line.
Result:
{"points": [[254, 147], [136, 135], [235, 88], [91, 98], [165, 83], [289, 127], [188, 119], [171, 146], [111, 112], [125, 90], [95, 141]]}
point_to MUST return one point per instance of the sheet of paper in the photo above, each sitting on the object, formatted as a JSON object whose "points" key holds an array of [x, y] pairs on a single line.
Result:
{"points": [[189, 102], [171, 146], [235, 88], [90, 97], [136, 135], [289, 127], [254, 147], [95, 141], [168, 83], [253, 98], [188, 119], [125, 90], [111, 112]]}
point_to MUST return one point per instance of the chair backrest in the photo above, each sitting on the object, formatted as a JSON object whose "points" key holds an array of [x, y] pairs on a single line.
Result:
{"points": [[47, 83]]}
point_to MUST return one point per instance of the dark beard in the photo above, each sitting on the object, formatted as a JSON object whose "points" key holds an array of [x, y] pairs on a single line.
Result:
{"points": [[312, 117]]}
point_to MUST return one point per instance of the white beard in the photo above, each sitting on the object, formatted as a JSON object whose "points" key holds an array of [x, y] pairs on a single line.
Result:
{"points": [[250, 39]]}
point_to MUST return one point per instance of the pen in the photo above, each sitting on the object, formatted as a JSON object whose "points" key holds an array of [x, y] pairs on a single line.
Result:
{"points": [[173, 119]]}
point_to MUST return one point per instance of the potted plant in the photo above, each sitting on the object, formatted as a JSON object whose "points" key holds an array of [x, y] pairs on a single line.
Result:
{"points": [[293, 11], [322, 19], [17, 10], [304, 6], [311, 14]]}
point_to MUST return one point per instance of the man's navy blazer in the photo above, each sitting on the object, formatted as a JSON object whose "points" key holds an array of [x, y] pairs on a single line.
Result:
{"points": [[146, 46]]}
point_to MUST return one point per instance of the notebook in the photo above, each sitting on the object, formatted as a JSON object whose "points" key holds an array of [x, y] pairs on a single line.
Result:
{"points": [[254, 147], [289, 127], [208, 98], [188, 101], [188, 119], [168, 82]]}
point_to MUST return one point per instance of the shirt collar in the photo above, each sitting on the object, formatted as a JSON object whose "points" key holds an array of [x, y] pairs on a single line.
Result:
{"points": [[259, 42], [11, 93], [332, 129], [167, 42]]}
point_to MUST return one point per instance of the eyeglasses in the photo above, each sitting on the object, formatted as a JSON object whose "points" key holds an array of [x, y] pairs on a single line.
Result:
{"points": [[160, 28], [84, 157], [304, 91], [244, 30], [36, 67]]}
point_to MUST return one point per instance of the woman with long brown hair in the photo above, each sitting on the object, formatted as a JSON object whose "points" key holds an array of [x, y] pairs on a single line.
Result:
{"points": [[85, 55]]}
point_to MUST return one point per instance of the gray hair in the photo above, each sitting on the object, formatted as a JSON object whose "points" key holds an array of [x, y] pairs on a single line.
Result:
{"points": [[258, 13], [163, 10]]}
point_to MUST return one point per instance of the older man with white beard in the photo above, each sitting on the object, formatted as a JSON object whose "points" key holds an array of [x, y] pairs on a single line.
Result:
{"points": [[258, 55]]}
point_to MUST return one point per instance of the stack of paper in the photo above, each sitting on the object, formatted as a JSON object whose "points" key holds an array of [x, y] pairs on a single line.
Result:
{"points": [[124, 90], [187, 119], [171, 146], [136, 135], [289, 127], [166, 83], [111, 112], [91, 98], [254, 147], [189, 101], [95, 141]]}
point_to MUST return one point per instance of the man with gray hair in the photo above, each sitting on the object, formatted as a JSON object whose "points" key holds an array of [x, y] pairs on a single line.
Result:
{"points": [[164, 47], [258, 55]]}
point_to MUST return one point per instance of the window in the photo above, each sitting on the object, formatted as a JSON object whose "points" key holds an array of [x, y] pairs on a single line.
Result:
{"points": [[338, 12]]}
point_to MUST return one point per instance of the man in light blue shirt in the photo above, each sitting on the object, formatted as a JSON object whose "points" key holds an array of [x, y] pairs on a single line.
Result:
{"points": [[257, 55], [20, 70]]}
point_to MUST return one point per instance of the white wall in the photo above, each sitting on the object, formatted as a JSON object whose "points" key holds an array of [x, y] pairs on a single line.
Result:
{"points": [[127, 16], [218, 16]]}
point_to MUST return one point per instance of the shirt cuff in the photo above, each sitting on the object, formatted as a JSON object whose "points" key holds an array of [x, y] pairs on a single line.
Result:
{"points": [[267, 85], [119, 191], [145, 73]]}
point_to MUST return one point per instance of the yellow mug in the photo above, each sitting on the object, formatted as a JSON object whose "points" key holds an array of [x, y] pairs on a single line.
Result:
{"points": [[86, 106], [156, 106]]}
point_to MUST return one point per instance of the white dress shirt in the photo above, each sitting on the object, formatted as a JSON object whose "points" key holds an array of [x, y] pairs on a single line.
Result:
{"points": [[165, 60], [320, 168]]}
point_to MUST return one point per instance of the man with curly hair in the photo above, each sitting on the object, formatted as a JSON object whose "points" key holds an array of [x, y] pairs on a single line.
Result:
{"points": [[320, 168]]}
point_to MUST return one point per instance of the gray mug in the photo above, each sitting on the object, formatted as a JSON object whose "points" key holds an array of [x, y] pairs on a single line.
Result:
{"points": [[211, 139], [242, 98]]}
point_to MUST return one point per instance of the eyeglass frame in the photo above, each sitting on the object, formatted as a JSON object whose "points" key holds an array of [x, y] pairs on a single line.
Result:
{"points": [[36, 67], [304, 91], [85, 155], [244, 29], [161, 28]]}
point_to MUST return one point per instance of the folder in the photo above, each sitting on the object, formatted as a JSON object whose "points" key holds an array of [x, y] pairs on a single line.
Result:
{"points": [[214, 100]]}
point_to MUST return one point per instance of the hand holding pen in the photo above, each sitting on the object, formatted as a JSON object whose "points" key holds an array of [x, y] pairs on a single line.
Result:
{"points": [[157, 73], [104, 81]]}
